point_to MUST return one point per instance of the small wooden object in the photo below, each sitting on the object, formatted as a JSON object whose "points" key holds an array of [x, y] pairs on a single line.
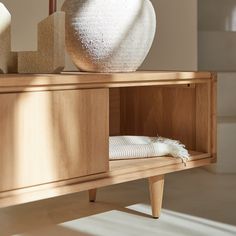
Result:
{"points": [[61, 124]]}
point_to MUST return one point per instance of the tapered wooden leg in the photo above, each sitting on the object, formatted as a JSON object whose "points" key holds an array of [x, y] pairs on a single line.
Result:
{"points": [[92, 195], [156, 187]]}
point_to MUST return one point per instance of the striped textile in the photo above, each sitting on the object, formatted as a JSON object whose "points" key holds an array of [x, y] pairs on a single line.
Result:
{"points": [[130, 147]]}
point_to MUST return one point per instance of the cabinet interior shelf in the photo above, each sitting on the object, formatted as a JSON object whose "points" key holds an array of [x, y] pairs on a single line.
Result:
{"points": [[143, 164]]}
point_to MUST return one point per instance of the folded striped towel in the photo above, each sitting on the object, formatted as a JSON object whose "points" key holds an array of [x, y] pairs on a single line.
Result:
{"points": [[130, 147]]}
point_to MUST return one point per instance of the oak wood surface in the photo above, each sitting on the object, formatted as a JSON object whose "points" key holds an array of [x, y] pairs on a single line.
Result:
{"points": [[51, 136], [165, 111], [49, 82], [114, 112], [213, 133], [156, 188], [116, 168], [183, 112], [203, 117], [120, 172]]}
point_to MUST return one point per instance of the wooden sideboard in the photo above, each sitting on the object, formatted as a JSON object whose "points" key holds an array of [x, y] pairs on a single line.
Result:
{"points": [[55, 130]]}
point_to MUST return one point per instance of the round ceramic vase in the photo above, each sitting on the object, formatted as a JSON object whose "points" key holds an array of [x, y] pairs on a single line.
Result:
{"points": [[109, 35]]}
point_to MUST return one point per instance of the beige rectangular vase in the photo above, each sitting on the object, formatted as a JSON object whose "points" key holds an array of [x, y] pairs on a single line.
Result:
{"points": [[50, 56]]}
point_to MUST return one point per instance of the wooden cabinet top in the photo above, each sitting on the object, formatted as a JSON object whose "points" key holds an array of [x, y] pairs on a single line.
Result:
{"points": [[74, 80]]}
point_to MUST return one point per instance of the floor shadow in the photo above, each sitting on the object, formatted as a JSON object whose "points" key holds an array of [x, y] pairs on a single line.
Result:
{"points": [[202, 194], [57, 231], [196, 193], [31, 216]]}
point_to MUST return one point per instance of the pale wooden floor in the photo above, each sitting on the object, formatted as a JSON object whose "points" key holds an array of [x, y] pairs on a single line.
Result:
{"points": [[124, 210]]}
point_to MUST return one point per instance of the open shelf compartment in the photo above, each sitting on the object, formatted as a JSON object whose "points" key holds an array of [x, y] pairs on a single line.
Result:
{"points": [[181, 112]]}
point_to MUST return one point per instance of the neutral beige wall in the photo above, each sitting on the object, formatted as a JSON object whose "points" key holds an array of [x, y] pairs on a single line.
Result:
{"points": [[174, 48], [25, 16], [217, 15], [217, 35], [227, 95], [175, 45]]}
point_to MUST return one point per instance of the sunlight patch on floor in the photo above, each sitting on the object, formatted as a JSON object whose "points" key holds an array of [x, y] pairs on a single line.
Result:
{"points": [[170, 223], [116, 223]]}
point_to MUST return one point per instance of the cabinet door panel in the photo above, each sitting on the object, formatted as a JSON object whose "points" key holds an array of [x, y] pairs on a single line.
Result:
{"points": [[52, 136]]}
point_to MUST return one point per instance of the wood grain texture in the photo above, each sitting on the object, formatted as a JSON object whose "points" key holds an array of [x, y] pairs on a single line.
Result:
{"points": [[156, 188], [165, 111], [122, 167], [117, 168], [51, 136], [203, 117], [40, 82], [214, 115], [183, 112], [118, 174], [114, 104]]}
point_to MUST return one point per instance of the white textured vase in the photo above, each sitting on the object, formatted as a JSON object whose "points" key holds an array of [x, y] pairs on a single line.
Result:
{"points": [[109, 35]]}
